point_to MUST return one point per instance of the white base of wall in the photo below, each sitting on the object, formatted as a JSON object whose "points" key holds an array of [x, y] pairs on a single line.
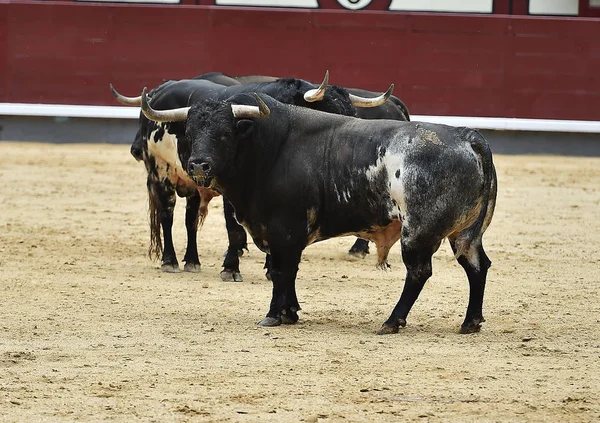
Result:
{"points": [[121, 112]]}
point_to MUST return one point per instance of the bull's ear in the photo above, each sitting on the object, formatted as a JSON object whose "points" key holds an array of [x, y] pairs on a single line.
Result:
{"points": [[244, 127]]}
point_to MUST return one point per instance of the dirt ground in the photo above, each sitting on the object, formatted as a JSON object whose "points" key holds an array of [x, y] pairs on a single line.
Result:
{"points": [[91, 330]]}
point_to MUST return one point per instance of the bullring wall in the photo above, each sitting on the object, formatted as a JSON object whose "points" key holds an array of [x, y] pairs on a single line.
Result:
{"points": [[442, 64]]}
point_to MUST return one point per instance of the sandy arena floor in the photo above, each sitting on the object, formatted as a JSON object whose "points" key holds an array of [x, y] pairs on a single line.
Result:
{"points": [[91, 330]]}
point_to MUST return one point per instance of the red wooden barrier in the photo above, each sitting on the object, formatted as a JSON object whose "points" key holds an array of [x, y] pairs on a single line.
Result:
{"points": [[442, 64]]}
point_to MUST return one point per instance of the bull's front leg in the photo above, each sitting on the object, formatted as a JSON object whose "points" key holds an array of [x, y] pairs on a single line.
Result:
{"points": [[284, 302], [191, 259]]}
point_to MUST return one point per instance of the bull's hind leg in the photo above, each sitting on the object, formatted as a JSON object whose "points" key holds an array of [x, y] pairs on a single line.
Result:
{"points": [[418, 270], [476, 264], [238, 242], [191, 259]]}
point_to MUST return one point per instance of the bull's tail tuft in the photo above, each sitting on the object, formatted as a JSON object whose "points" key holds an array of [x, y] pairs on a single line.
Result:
{"points": [[155, 249]]}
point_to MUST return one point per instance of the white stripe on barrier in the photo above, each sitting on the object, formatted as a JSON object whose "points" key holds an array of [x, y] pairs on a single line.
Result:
{"points": [[514, 124], [122, 112], [68, 110]]}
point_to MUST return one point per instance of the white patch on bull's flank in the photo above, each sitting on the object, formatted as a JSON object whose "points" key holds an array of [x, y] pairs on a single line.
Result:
{"points": [[165, 149], [391, 162]]}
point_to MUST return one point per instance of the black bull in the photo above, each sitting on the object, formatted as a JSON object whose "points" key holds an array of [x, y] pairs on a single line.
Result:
{"points": [[382, 180], [393, 108], [162, 146]]}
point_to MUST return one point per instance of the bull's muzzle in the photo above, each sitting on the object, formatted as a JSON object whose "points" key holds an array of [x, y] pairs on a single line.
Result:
{"points": [[200, 171], [198, 168]]}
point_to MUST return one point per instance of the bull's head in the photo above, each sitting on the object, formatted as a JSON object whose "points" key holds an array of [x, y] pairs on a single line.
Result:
{"points": [[214, 140], [213, 129]]}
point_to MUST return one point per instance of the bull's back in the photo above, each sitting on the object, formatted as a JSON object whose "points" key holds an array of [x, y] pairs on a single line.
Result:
{"points": [[182, 93], [218, 78]]}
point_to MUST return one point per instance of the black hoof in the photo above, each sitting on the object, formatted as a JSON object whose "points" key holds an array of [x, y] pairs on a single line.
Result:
{"points": [[358, 254], [387, 330], [360, 248], [269, 322], [473, 326], [231, 276], [170, 268], [391, 327], [192, 267], [289, 317]]}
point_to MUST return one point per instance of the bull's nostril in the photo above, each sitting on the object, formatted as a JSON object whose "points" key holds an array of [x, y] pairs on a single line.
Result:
{"points": [[205, 166]]}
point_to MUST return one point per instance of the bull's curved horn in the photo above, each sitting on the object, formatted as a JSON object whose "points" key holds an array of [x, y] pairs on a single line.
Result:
{"points": [[171, 115], [127, 101], [371, 102], [318, 93], [264, 109], [242, 111]]}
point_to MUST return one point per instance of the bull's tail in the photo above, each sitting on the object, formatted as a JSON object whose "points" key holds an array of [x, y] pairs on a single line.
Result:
{"points": [[474, 233], [156, 247]]}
